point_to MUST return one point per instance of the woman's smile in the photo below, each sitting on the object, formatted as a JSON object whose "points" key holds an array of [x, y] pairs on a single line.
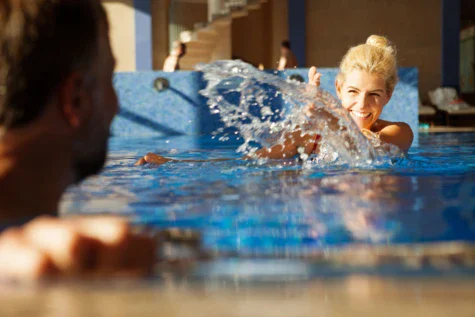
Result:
{"points": [[360, 114]]}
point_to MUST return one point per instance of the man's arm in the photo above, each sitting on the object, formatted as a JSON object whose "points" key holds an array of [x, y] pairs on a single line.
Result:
{"points": [[170, 64], [75, 247], [282, 63]]}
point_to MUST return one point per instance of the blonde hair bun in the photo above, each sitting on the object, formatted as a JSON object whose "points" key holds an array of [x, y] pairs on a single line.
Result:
{"points": [[376, 56], [381, 42]]}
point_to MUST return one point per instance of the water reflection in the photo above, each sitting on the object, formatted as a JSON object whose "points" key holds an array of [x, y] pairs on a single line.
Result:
{"points": [[283, 208]]}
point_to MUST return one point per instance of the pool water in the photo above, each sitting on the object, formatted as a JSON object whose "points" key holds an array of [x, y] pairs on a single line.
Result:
{"points": [[283, 208]]}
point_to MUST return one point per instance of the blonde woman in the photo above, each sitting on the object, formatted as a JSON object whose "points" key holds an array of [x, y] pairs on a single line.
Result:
{"points": [[365, 83]]}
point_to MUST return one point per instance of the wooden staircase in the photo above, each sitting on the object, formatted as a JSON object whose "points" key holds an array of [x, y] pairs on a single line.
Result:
{"points": [[213, 41]]}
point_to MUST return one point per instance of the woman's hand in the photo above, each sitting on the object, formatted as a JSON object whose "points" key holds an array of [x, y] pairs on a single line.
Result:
{"points": [[74, 247], [152, 158], [369, 134], [314, 77]]}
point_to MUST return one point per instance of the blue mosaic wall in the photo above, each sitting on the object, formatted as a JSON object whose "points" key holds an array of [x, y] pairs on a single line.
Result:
{"points": [[181, 110], [178, 110]]}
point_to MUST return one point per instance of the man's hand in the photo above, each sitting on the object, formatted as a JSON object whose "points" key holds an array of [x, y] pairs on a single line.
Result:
{"points": [[152, 159], [75, 247]]}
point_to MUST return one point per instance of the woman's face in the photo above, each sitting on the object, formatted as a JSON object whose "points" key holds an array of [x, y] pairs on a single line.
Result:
{"points": [[364, 95]]}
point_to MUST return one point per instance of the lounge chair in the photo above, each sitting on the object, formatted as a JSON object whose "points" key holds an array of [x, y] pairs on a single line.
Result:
{"points": [[447, 100]]}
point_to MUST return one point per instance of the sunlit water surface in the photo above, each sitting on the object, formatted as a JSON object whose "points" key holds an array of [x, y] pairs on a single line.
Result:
{"points": [[285, 207]]}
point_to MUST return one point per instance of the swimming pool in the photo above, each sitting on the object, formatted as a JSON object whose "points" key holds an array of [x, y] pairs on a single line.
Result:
{"points": [[286, 210]]}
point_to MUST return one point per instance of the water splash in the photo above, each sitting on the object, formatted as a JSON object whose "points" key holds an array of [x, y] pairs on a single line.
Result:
{"points": [[264, 108]]}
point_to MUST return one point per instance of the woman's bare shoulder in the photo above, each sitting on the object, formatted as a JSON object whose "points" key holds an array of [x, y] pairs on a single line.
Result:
{"points": [[379, 125], [397, 133]]}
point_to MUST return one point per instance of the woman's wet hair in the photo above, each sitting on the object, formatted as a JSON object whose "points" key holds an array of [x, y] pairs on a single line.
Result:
{"points": [[42, 42], [376, 56]]}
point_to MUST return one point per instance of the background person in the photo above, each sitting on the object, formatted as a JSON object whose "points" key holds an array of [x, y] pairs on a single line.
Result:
{"points": [[172, 62], [287, 57]]}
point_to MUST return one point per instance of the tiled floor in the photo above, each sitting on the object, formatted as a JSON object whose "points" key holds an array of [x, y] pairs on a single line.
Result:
{"points": [[353, 296]]}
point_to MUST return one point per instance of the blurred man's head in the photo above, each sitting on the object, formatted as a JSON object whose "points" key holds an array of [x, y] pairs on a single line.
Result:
{"points": [[284, 47], [56, 70]]}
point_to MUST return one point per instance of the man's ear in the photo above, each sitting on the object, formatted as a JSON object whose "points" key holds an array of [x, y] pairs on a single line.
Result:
{"points": [[71, 100]]}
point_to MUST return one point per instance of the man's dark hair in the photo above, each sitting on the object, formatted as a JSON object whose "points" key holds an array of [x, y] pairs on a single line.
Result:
{"points": [[285, 44], [41, 43], [183, 49]]}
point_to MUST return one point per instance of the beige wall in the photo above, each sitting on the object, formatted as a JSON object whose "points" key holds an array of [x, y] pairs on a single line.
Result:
{"points": [[414, 26], [186, 14], [249, 38], [222, 49], [256, 37], [122, 32]]}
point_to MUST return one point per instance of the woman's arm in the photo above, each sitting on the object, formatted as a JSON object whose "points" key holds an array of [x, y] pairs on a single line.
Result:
{"points": [[156, 159], [288, 149]]}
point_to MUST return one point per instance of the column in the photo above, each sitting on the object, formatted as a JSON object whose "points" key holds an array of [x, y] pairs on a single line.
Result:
{"points": [[451, 43], [143, 34], [297, 29]]}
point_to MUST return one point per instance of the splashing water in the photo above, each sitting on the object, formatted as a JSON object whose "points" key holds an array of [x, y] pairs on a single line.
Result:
{"points": [[265, 108]]}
